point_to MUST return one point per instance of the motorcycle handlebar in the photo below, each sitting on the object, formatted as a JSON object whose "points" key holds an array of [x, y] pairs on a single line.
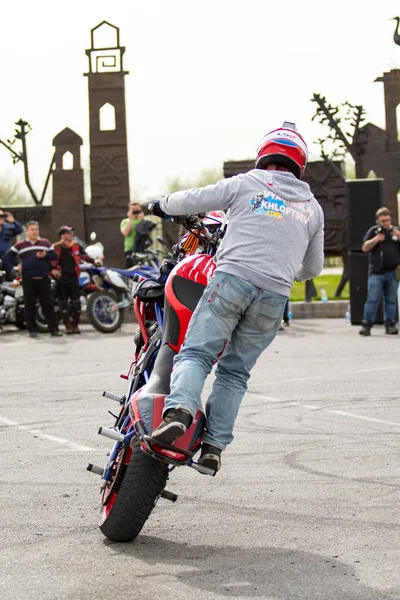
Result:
{"points": [[187, 221]]}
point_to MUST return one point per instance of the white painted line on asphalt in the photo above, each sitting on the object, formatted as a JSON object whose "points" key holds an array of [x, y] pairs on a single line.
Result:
{"points": [[45, 436], [333, 375], [353, 416], [269, 398]]}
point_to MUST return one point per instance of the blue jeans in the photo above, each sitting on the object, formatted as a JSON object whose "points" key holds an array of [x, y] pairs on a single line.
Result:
{"points": [[378, 284], [239, 319]]}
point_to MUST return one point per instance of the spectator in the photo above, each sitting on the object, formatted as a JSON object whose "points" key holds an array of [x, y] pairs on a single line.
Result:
{"points": [[382, 241], [128, 229], [35, 254], [9, 228], [66, 271]]}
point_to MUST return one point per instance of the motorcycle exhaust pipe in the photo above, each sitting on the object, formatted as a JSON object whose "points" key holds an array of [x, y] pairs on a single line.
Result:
{"points": [[95, 469], [111, 434]]}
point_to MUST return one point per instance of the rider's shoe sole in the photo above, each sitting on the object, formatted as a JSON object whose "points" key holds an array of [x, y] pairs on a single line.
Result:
{"points": [[169, 433]]}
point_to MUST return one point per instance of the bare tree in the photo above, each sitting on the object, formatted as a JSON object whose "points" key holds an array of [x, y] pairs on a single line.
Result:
{"points": [[345, 135], [23, 128]]}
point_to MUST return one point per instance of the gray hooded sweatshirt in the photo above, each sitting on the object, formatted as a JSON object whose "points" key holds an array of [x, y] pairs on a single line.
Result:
{"points": [[276, 227]]}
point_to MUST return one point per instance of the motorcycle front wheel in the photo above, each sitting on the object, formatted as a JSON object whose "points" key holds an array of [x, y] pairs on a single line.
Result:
{"points": [[127, 505], [100, 313]]}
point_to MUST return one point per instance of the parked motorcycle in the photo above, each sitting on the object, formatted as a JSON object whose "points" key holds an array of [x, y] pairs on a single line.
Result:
{"points": [[105, 307], [11, 302], [136, 473]]}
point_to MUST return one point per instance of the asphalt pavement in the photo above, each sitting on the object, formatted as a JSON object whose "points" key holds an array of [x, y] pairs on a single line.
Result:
{"points": [[306, 505]]}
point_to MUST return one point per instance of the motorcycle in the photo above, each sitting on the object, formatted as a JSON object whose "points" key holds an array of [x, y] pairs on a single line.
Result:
{"points": [[105, 307], [138, 468], [11, 302]]}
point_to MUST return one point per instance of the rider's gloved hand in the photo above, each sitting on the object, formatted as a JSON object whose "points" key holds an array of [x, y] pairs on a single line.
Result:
{"points": [[155, 208]]}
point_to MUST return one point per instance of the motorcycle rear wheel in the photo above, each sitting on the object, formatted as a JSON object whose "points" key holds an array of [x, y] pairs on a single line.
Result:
{"points": [[41, 323], [96, 311], [126, 512]]}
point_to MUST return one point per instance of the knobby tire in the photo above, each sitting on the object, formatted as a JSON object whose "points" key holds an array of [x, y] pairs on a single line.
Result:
{"points": [[92, 316]]}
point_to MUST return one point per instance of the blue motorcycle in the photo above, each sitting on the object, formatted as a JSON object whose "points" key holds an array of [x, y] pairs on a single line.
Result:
{"points": [[105, 307]]}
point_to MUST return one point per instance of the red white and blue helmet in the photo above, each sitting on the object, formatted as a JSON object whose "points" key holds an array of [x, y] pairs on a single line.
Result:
{"points": [[216, 217], [283, 146]]}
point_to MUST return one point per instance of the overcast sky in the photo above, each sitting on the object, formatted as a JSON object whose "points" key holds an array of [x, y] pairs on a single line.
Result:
{"points": [[207, 79]]}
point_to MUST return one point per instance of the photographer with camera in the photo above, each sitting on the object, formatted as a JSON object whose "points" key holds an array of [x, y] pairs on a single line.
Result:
{"points": [[9, 228], [128, 229], [382, 242]]}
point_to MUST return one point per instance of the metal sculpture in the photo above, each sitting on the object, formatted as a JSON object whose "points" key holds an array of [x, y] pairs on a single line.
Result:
{"points": [[340, 119], [396, 35]]}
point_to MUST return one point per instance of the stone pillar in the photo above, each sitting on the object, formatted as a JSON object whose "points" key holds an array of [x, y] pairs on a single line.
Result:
{"points": [[109, 174], [68, 191], [391, 84]]}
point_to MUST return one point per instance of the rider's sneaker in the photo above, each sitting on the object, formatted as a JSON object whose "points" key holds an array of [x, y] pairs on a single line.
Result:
{"points": [[173, 426], [210, 457]]}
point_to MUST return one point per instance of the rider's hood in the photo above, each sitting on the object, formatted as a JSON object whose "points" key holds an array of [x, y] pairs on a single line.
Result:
{"points": [[283, 184]]}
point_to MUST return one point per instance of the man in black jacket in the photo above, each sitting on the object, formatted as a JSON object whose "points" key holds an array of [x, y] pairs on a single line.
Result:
{"points": [[35, 254], [382, 241], [9, 228]]}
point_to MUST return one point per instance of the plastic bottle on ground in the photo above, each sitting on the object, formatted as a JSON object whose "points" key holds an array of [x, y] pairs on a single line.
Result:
{"points": [[348, 315], [324, 296]]}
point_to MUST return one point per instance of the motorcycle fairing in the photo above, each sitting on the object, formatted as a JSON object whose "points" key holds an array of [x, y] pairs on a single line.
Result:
{"points": [[148, 410], [183, 290]]}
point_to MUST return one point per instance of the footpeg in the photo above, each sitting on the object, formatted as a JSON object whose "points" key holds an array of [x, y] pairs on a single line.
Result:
{"points": [[169, 496], [115, 397], [202, 469], [95, 469], [112, 434]]}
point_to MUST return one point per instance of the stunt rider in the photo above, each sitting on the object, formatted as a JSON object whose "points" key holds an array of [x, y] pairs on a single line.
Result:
{"points": [[275, 236]]}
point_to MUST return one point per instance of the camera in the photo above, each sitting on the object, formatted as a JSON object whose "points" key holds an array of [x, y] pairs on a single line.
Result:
{"points": [[383, 230], [388, 233]]}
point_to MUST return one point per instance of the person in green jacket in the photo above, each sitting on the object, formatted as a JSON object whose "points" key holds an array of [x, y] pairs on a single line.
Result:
{"points": [[128, 229]]}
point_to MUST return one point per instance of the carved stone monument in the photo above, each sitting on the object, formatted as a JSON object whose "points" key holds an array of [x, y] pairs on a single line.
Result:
{"points": [[109, 174], [68, 192]]}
